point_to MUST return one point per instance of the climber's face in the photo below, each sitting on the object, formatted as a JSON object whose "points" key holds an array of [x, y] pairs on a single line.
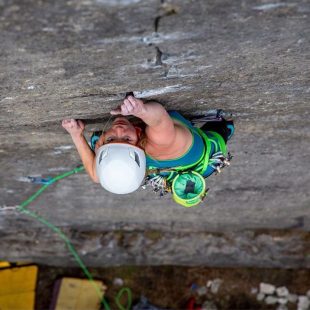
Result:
{"points": [[122, 131]]}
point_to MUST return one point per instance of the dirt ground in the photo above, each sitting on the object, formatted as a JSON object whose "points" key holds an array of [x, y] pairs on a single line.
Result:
{"points": [[171, 287]]}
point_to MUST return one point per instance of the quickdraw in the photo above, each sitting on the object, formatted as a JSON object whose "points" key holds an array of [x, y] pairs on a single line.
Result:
{"points": [[159, 184], [164, 184], [218, 161]]}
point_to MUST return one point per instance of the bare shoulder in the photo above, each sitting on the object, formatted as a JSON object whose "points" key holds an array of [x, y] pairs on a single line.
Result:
{"points": [[171, 144]]}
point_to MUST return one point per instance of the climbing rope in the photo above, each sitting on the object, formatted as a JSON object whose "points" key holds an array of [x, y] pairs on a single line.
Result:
{"points": [[119, 297], [22, 208]]}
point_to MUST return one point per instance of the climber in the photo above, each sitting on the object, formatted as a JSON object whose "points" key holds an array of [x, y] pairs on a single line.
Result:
{"points": [[122, 153]]}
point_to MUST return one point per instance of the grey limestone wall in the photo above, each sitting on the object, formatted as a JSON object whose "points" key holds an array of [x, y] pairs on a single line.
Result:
{"points": [[77, 59]]}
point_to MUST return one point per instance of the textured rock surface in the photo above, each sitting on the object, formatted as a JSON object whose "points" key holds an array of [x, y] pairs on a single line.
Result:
{"points": [[77, 59]]}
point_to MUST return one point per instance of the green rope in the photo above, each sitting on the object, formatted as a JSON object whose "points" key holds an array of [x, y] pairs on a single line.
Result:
{"points": [[34, 196], [43, 188], [22, 208], [119, 296]]}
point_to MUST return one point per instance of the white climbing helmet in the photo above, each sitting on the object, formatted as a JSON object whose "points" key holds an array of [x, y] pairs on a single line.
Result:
{"points": [[120, 167]]}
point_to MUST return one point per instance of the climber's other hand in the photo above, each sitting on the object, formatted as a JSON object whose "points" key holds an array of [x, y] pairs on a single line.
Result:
{"points": [[74, 127]]}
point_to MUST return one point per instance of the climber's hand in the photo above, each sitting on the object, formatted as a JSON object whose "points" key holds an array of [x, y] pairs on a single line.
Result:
{"points": [[74, 127], [131, 106]]}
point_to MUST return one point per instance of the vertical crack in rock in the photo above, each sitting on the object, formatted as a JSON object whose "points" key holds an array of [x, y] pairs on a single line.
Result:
{"points": [[159, 60], [159, 54], [156, 23], [167, 10]]}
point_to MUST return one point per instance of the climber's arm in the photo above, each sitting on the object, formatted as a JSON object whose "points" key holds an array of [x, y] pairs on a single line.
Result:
{"points": [[164, 136], [160, 128], [76, 129], [87, 156]]}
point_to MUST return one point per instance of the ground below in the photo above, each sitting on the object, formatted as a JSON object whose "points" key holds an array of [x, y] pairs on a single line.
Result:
{"points": [[77, 59], [171, 286]]}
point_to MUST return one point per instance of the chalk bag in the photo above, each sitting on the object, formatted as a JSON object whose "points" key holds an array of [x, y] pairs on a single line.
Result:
{"points": [[188, 189]]}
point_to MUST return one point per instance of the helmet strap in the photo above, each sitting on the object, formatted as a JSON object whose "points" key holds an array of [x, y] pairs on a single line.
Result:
{"points": [[107, 122]]}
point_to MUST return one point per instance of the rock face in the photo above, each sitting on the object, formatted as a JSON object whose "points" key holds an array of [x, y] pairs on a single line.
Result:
{"points": [[77, 59]]}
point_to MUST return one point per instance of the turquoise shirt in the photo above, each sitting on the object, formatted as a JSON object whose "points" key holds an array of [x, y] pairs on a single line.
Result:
{"points": [[195, 152]]}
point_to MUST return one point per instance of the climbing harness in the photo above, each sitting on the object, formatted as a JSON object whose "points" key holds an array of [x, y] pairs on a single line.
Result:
{"points": [[22, 208], [187, 184]]}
